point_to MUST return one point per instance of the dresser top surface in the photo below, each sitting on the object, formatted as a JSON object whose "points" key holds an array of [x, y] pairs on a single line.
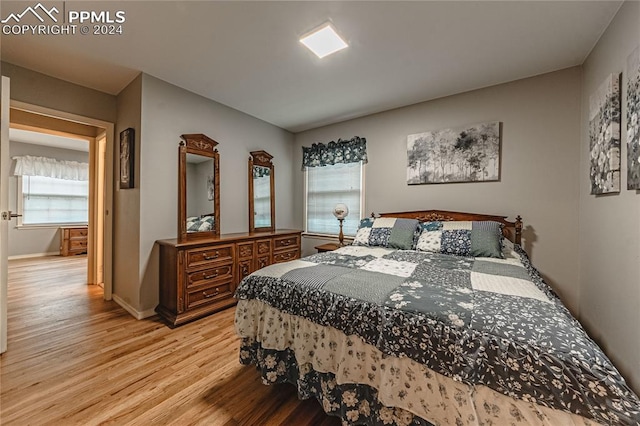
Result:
{"points": [[233, 237]]}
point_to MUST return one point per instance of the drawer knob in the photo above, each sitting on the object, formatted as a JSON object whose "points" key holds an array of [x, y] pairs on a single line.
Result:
{"points": [[286, 243], [208, 277], [208, 295], [211, 256]]}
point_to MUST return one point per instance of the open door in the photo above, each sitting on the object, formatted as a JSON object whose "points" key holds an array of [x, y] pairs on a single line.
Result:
{"points": [[5, 163]]}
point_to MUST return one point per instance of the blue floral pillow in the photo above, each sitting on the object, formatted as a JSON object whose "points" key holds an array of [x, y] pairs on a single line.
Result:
{"points": [[462, 238]]}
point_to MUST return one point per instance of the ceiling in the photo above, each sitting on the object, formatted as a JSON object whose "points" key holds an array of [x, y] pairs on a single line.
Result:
{"points": [[247, 55]]}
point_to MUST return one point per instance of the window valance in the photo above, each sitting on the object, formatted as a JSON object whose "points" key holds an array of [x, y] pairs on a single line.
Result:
{"points": [[50, 167], [349, 151]]}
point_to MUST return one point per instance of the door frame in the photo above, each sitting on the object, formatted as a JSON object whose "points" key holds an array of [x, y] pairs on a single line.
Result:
{"points": [[107, 243], [5, 163]]}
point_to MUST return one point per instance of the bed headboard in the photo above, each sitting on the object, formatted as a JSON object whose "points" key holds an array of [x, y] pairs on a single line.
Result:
{"points": [[511, 230]]}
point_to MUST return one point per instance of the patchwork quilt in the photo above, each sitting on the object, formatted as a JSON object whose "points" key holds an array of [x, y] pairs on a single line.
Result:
{"points": [[478, 321]]}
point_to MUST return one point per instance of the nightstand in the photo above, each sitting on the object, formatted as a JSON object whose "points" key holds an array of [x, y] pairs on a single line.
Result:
{"points": [[327, 247], [73, 240]]}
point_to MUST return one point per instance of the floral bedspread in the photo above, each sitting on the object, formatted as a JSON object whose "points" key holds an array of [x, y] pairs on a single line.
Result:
{"points": [[478, 321]]}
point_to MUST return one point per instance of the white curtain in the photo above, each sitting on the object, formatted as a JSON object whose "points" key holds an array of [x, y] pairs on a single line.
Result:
{"points": [[50, 167]]}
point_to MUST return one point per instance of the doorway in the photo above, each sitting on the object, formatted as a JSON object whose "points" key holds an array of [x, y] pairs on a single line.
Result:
{"points": [[97, 137]]}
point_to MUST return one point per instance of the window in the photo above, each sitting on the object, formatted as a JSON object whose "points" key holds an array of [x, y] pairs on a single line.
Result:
{"points": [[48, 200], [327, 186]]}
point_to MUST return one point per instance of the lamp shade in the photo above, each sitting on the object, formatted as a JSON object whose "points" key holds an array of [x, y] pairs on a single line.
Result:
{"points": [[341, 211]]}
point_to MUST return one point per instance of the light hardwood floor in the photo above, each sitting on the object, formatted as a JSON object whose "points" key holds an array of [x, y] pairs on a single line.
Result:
{"points": [[74, 358]]}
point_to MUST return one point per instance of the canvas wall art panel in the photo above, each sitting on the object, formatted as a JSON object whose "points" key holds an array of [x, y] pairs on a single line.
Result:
{"points": [[633, 120], [127, 163], [604, 136], [462, 154]]}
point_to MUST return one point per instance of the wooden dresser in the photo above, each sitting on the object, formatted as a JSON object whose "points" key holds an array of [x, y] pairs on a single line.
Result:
{"points": [[73, 240], [200, 277]]}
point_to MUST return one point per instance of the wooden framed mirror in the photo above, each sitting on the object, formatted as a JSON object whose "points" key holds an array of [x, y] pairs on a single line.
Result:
{"points": [[262, 200], [198, 188]]}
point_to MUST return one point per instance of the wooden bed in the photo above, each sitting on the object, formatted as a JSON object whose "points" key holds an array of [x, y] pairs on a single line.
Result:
{"points": [[394, 336]]}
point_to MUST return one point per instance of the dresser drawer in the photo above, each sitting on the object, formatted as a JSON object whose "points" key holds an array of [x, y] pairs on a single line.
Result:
{"points": [[245, 267], [208, 295], [263, 262], [286, 256], [285, 243], [78, 233], [77, 244], [210, 276], [209, 256], [263, 247], [245, 250]]}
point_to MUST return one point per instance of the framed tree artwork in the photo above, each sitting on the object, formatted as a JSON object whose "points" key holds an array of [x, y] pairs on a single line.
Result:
{"points": [[462, 154], [127, 163]]}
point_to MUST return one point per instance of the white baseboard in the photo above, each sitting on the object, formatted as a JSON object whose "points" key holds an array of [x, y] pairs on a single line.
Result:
{"points": [[127, 307], [28, 256]]}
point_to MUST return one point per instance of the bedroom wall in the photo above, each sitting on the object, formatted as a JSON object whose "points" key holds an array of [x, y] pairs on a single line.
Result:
{"points": [[197, 176], [40, 240], [609, 224], [169, 111], [39, 89], [540, 143], [126, 203]]}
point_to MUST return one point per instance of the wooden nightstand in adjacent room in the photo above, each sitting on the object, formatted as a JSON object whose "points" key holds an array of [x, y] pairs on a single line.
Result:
{"points": [[73, 240], [327, 247]]}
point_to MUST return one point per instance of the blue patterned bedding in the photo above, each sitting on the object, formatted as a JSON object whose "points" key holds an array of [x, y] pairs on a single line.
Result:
{"points": [[479, 321]]}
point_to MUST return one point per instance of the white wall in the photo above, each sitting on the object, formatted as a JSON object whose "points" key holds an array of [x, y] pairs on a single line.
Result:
{"points": [[540, 144], [610, 224], [42, 90], [169, 111], [198, 202], [126, 203], [40, 240]]}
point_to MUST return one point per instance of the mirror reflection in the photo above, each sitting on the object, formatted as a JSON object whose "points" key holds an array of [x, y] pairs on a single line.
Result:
{"points": [[198, 188], [200, 193], [262, 213], [262, 196]]}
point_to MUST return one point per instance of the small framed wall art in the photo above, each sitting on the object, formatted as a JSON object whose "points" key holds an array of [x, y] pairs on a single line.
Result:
{"points": [[127, 158]]}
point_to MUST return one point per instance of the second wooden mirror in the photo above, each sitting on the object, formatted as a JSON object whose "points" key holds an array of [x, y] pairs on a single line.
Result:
{"points": [[262, 211]]}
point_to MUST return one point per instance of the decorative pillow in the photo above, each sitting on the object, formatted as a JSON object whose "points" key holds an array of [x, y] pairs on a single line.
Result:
{"points": [[191, 221], [195, 224], [508, 250], [462, 238], [430, 238], [387, 232], [364, 230]]}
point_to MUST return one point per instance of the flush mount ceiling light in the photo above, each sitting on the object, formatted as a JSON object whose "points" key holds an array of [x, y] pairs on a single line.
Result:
{"points": [[324, 41]]}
